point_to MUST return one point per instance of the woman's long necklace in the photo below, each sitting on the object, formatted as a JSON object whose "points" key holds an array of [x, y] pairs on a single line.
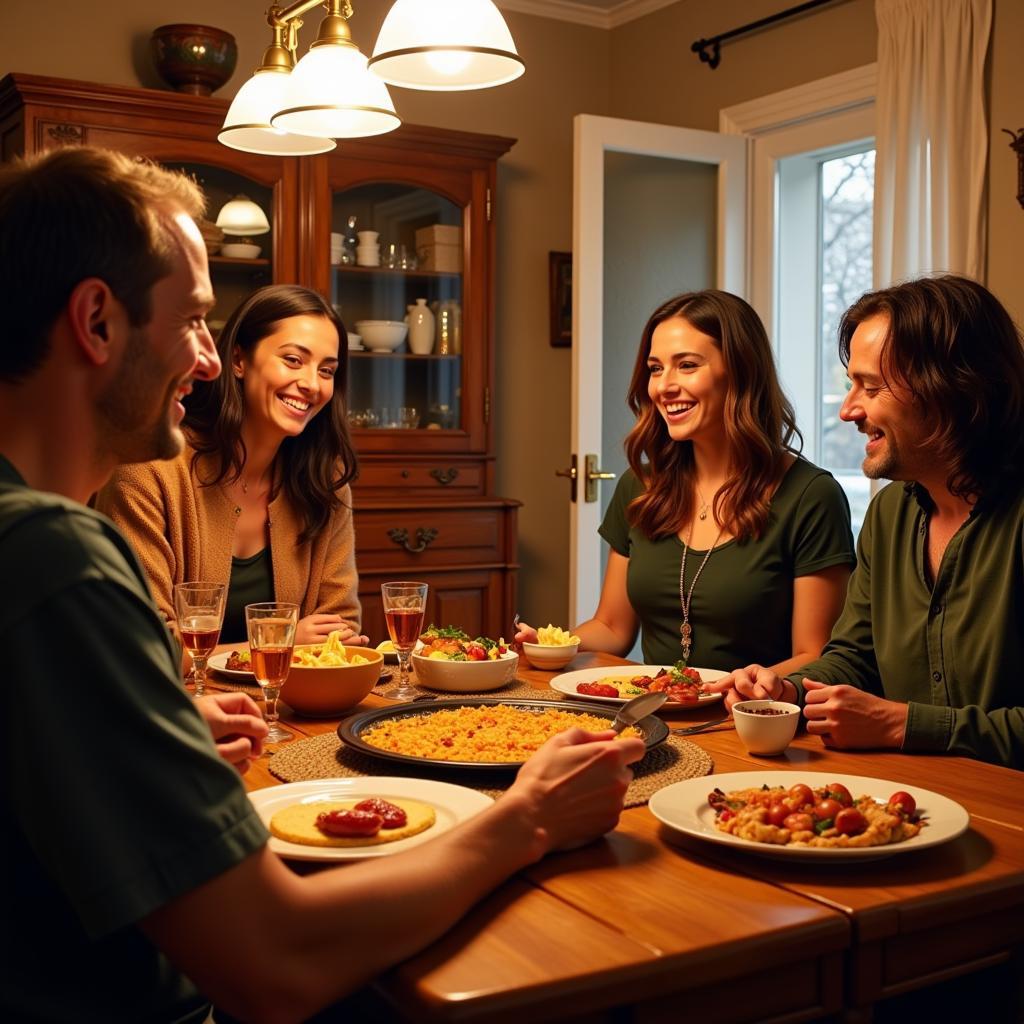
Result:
{"points": [[702, 512], [686, 597]]}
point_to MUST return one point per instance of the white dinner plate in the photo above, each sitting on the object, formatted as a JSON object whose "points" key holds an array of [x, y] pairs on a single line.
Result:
{"points": [[684, 806], [218, 662], [451, 803], [568, 681]]}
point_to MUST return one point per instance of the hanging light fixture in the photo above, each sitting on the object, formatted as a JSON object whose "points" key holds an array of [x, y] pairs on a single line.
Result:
{"points": [[446, 45], [330, 94], [333, 92], [247, 126]]}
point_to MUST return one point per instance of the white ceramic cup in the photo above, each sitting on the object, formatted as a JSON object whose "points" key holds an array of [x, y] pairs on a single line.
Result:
{"points": [[765, 727], [368, 237]]}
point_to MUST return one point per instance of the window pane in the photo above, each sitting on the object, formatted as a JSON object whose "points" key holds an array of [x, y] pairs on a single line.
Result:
{"points": [[847, 195]]}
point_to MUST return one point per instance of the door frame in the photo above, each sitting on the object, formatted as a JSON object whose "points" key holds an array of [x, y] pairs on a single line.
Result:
{"points": [[593, 136]]}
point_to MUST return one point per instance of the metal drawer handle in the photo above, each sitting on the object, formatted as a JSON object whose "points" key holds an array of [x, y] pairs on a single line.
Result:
{"points": [[424, 535], [444, 476]]}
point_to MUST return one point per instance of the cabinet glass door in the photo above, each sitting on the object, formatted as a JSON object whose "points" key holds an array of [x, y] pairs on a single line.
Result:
{"points": [[247, 261], [397, 282]]}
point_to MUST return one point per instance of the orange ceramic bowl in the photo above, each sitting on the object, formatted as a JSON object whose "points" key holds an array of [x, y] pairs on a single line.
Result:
{"points": [[323, 692]]}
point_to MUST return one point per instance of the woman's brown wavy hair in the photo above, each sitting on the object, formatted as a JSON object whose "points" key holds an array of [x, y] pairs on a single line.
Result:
{"points": [[312, 467], [760, 425], [956, 350]]}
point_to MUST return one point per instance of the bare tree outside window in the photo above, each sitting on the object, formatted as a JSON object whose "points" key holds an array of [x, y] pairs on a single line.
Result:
{"points": [[847, 197]]}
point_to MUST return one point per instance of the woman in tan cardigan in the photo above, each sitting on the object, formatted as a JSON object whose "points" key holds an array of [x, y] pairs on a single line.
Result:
{"points": [[259, 499]]}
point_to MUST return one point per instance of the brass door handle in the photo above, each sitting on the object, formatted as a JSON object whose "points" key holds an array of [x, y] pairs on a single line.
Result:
{"points": [[592, 474], [424, 536]]}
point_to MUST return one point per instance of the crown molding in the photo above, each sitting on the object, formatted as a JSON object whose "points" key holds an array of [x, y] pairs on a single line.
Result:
{"points": [[583, 14]]}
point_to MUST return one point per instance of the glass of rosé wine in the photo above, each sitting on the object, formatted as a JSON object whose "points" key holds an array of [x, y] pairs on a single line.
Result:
{"points": [[200, 611], [271, 627], [404, 605]]}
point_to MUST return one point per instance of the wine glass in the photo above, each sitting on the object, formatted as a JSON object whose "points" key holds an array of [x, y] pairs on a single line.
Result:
{"points": [[200, 611], [404, 605], [271, 627]]}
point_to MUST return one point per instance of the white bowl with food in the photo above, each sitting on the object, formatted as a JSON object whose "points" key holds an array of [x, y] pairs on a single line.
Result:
{"points": [[465, 676], [765, 727], [387, 649], [382, 335], [550, 657]]}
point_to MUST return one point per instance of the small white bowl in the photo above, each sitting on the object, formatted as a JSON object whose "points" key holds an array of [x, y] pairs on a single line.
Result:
{"points": [[387, 648], [382, 335], [762, 732], [465, 676], [550, 657], [354, 340], [240, 250]]}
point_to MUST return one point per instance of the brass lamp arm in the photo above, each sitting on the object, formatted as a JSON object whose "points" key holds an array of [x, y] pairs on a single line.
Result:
{"points": [[300, 7]]}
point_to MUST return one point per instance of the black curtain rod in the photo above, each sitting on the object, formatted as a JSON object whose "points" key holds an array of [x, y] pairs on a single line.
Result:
{"points": [[700, 47]]}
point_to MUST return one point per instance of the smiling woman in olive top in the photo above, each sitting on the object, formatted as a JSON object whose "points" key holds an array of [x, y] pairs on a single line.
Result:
{"points": [[727, 547], [259, 499]]}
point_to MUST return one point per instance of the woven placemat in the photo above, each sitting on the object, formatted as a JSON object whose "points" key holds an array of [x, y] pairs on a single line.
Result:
{"points": [[219, 682], [326, 757]]}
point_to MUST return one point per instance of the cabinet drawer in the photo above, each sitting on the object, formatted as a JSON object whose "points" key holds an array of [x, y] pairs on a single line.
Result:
{"points": [[425, 478], [403, 538]]}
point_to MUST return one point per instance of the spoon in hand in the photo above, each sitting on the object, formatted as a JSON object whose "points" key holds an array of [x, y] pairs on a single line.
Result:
{"points": [[639, 707]]}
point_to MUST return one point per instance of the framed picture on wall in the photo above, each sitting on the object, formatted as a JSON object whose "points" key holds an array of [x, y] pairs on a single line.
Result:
{"points": [[560, 285]]}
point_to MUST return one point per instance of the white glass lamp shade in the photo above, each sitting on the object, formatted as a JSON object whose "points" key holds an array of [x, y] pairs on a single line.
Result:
{"points": [[446, 45], [241, 216], [331, 95], [247, 126]]}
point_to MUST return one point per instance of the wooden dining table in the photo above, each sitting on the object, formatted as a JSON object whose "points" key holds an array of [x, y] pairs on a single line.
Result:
{"points": [[646, 921]]}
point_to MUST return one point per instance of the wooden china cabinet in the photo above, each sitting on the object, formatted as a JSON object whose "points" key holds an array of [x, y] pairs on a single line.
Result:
{"points": [[422, 422]]}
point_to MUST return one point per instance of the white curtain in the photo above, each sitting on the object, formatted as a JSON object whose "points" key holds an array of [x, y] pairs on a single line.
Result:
{"points": [[932, 138]]}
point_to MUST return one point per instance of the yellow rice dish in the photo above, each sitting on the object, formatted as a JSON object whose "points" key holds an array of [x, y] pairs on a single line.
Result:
{"points": [[492, 734]]}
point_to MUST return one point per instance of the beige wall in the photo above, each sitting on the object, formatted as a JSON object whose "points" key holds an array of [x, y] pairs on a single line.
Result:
{"points": [[655, 77], [642, 70], [1006, 110]]}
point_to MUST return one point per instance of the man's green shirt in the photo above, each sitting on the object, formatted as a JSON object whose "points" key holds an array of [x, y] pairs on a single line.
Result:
{"points": [[952, 650]]}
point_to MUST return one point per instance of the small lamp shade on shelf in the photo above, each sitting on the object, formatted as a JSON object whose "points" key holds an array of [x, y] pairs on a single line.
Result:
{"points": [[447, 45], [242, 217]]}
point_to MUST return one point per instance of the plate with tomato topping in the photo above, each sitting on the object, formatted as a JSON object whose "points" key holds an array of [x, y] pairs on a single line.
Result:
{"points": [[685, 686], [364, 807], [809, 815]]}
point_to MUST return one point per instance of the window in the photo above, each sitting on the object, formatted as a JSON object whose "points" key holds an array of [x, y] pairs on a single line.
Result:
{"points": [[812, 185], [847, 194]]}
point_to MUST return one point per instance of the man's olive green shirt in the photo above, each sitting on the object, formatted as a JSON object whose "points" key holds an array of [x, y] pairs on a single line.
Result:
{"points": [[954, 650]]}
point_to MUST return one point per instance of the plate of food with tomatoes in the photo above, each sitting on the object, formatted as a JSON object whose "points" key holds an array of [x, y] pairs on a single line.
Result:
{"points": [[685, 686], [809, 815]]}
